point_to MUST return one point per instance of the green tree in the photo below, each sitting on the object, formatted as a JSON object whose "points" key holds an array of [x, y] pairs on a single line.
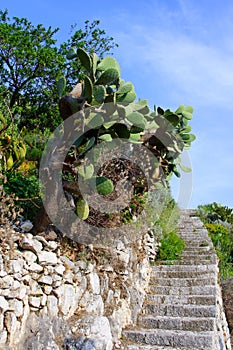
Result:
{"points": [[31, 61]]}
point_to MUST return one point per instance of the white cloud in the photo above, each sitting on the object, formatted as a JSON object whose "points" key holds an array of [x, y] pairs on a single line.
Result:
{"points": [[195, 68]]}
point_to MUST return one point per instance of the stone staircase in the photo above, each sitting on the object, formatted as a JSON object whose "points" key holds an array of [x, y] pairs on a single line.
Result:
{"points": [[182, 309]]}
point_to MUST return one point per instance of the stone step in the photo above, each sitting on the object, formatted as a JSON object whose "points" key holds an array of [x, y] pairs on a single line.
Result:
{"points": [[198, 245], [172, 338], [198, 249], [182, 282], [195, 254], [179, 267], [198, 324], [186, 299], [182, 274], [190, 240], [194, 235], [198, 258], [180, 310], [173, 290], [196, 261], [157, 347]]}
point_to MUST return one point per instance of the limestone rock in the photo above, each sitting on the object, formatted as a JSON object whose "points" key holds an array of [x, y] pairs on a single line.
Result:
{"points": [[3, 304], [66, 295], [6, 282], [94, 283], [34, 301], [31, 244], [16, 265], [34, 267], [67, 262], [11, 322], [16, 306], [46, 280], [59, 269], [79, 343], [96, 329], [26, 226], [3, 337], [47, 258], [52, 305], [29, 256]]}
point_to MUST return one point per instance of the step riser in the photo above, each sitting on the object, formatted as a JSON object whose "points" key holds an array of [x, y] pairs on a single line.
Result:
{"points": [[157, 347], [195, 290], [174, 340], [182, 282], [196, 268], [179, 324], [172, 299], [180, 310], [182, 274], [197, 261], [197, 251], [193, 254]]}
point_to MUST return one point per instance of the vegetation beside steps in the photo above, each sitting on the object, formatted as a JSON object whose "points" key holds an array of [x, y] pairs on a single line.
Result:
{"points": [[218, 220], [171, 244]]}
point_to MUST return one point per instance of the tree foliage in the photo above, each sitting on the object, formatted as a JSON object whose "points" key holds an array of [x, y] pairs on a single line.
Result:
{"points": [[31, 61]]}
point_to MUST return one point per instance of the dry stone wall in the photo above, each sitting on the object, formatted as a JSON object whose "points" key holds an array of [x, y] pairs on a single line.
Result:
{"points": [[50, 301]]}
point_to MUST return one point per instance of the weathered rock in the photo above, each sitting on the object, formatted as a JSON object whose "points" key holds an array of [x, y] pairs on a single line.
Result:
{"points": [[92, 304], [67, 262], [16, 306], [34, 267], [94, 283], [26, 226], [29, 256], [16, 265], [96, 329], [31, 244], [34, 301], [6, 282], [35, 288], [120, 317], [4, 305], [80, 343], [11, 322], [66, 295], [47, 258], [3, 338], [45, 280], [52, 305], [59, 269]]}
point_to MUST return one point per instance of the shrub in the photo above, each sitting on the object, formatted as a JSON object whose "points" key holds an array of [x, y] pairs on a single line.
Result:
{"points": [[223, 243], [171, 245], [26, 190]]}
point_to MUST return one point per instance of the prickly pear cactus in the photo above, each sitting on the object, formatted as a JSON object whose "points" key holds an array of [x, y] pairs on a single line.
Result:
{"points": [[113, 112], [82, 209]]}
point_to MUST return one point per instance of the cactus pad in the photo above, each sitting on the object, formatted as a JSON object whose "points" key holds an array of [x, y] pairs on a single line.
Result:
{"points": [[125, 88], [88, 89], [137, 119], [82, 209], [99, 93], [102, 184], [108, 77], [72, 53], [127, 98], [61, 85], [84, 58], [108, 62]]}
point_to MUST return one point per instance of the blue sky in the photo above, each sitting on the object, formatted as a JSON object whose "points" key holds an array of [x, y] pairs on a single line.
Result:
{"points": [[175, 52]]}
